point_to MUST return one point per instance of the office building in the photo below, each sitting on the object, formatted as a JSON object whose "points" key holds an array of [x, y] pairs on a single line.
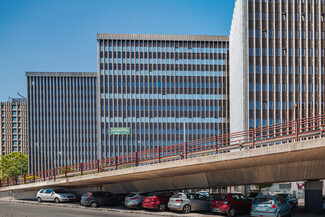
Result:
{"points": [[276, 62], [61, 119], [164, 89], [13, 126]]}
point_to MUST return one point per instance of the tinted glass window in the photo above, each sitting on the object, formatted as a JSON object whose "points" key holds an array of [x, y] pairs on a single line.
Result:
{"points": [[152, 194], [243, 197], [99, 194], [48, 191], [108, 194], [192, 196], [263, 200], [283, 195], [177, 196], [252, 194], [220, 197], [201, 197], [235, 197], [60, 191]]}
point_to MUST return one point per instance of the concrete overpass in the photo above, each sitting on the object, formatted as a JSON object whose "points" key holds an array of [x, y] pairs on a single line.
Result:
{"points": [[303, 160]]}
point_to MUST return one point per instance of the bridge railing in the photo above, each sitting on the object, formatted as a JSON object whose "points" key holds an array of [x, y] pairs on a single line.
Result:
{"points": [[306, 128]]}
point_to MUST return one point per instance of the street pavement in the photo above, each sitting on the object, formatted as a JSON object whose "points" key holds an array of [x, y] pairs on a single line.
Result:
{"points": [[20, 208]]}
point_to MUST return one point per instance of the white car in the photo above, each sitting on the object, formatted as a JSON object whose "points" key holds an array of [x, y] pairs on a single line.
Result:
{"points": [[56, 195]]}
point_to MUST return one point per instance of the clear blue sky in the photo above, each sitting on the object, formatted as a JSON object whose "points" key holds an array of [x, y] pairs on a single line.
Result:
{"points": [[60, 35]]}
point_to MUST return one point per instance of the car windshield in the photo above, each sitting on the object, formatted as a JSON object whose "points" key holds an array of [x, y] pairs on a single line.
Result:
{"points": [[263, 200], [283, 195], [177, 196], [62, 191], [219, 197], [252, 194], [131, 195]]}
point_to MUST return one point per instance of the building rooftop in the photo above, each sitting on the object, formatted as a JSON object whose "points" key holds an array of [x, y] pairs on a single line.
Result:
{"points": [[62, 74], [162, 37]]}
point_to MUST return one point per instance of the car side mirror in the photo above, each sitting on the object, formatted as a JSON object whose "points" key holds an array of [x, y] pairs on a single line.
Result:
{"points": [[52, 193]]}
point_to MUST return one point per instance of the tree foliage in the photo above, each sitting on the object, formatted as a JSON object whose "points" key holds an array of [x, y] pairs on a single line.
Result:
{"points": [[261, 186], [13, 164]]}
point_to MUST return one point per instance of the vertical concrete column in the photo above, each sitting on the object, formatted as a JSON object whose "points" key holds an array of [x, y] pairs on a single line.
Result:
{"points": [[313, 196]]}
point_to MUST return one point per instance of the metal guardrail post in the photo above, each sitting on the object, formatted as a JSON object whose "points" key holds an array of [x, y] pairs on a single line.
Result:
{"points": [[0, 183], [185, 150], [44, 175], [24, 178], [54, 177], [98, 167], [159, 154], [253, 138], [216, 144], [7, 181], [81, 168], [297, 129], [136, 159], [66, 171], [116, 163], [34, 177]]}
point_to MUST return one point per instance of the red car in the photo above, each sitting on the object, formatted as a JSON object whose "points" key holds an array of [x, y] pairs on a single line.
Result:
{"points": [[157, 201], [231, 204]]}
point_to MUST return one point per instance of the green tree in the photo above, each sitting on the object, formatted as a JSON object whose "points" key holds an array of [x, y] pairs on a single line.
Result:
{"points": [[13, 164], [261, 186]]}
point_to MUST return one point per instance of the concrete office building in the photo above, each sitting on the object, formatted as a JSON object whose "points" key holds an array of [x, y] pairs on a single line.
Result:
{"points": [[165, 88], [61, 119], [13, 126], [276, 62]]}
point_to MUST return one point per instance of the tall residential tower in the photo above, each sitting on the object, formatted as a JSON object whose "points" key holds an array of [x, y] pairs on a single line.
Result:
{"points": [[13, 126]]}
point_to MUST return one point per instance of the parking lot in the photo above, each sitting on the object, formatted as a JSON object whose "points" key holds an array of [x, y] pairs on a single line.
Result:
{"points": [[28, 208]]}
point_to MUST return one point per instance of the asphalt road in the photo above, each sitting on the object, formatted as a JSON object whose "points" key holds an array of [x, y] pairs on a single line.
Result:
{"points": [[11, 209], [34, 209]]}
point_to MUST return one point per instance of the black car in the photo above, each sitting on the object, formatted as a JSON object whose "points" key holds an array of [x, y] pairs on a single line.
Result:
{"points": [[99, 198]]}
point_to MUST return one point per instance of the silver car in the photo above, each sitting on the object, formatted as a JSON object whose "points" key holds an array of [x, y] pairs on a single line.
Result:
{"points": [[188, 202], [56, 195], [134, 200]]}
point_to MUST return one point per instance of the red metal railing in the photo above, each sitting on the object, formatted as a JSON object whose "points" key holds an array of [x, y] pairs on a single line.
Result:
{"points": [[307, 128]]}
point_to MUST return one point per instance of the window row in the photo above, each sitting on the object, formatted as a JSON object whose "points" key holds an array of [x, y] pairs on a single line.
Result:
{"points": [[164, 73], [284, 87], [286, 69], [285, 34], [160, 108]]}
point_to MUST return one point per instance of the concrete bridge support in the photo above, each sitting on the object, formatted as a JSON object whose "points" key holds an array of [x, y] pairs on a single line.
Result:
{"points": [[313, 196]]}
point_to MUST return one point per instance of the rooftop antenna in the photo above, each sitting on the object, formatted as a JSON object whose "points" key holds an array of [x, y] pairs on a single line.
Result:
{"points": [[21, 95]]}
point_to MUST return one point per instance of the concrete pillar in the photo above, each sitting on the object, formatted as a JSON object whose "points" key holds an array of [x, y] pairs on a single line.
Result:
{"points": [[313, 196]]}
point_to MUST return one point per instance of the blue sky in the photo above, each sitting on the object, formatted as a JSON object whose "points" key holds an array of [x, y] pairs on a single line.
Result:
{"points": [[60, 35]]}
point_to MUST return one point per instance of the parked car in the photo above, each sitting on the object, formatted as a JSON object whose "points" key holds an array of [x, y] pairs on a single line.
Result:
{"points": [[270, 206], [323, 202], [99, 198], [157, 201], [290, 198], [134, 200], [253, 194], [56, 195], [189, 202], [231, 204]]}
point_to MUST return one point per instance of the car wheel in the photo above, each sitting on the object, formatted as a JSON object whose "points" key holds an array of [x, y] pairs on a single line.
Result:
{"points": [[56, 200], [94, 205], [187, 209], [162, 207], [231, 212], [278, 215], [39, 200]]}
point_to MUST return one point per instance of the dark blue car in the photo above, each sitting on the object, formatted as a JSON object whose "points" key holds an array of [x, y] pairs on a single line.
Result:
{"points": [[270, 206]]}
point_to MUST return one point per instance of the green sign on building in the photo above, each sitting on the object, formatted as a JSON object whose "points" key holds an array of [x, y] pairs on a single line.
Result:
{"points": [[120, 131]]}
